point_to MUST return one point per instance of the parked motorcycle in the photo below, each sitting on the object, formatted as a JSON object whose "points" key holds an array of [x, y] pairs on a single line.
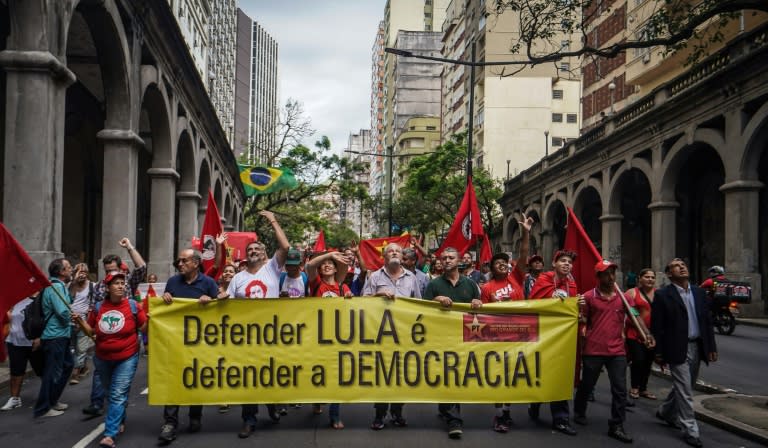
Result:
{"points": [[725, 304]]}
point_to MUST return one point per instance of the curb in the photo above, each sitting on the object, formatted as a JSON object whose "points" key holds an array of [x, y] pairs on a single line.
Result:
{"points": [[700, 386], [747, 431], [753, 322]]}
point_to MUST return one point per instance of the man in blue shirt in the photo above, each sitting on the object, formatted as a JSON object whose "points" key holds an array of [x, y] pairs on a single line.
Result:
{"points": [[55, 341], [189, 283]]}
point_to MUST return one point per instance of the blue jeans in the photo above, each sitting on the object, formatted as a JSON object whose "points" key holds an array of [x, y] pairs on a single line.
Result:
{"points": [[97, 390], [117, 377], [58, 368]]}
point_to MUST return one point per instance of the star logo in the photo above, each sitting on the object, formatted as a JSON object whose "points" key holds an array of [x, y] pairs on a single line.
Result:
{"points": [[475, 327]]}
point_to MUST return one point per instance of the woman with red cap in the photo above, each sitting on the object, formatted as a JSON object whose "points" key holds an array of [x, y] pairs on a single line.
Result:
{"points": [[115, 323]]}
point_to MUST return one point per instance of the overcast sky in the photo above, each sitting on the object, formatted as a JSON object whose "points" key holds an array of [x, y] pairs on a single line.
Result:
{"points": [[324, 52]]}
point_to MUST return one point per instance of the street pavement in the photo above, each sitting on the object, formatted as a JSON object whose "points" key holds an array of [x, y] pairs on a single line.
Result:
{"points": [[726, 420]]}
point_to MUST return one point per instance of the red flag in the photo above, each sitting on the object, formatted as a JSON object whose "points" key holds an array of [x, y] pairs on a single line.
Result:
{"points": [[485, 251], [371, 250], [237, 242], [587, 256], [19, 276], [211, 227], [320, 243], [467, 226]]}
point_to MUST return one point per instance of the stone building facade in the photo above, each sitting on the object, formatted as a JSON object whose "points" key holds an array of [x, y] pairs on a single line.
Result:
{"points": [[680, 172], [107, 131]]}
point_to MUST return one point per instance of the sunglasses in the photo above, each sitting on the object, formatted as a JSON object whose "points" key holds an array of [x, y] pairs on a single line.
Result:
{"points": [[181, 260]]}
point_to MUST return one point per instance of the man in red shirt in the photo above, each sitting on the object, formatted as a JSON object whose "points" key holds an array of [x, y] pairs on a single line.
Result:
{"points": [[503, 284], [557, 283], [604, 312]]}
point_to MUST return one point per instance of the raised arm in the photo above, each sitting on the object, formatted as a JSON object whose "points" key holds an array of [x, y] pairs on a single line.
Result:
{"points": [[138, 261], [282, 241], [525, 227]]}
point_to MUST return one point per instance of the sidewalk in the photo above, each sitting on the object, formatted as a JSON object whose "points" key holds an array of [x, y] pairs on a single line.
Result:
{"points": [[752, 322]]}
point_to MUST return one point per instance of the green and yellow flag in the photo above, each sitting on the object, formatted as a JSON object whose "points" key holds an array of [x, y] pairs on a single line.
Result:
{"points": [[265, 180]]}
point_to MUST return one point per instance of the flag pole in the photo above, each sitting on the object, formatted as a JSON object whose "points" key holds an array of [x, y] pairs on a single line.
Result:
{"points": [[641, 329]]}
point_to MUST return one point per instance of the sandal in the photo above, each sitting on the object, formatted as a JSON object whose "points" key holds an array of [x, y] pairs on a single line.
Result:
{"points": [[337, 424], [105, 444], [648, 395], [634, 394]]}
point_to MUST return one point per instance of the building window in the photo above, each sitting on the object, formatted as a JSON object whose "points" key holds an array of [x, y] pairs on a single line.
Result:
{"points": [[427, 27], [565, 67], [557, 142], [431, 128], [557, 94], [572, 118], [557, 118]]}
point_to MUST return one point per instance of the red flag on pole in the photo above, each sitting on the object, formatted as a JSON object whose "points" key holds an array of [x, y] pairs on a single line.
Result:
{"points": [[211, 227], [19, 276], [320, 243], [371, 251], [485, 251], [587, 256], [467, 226]]}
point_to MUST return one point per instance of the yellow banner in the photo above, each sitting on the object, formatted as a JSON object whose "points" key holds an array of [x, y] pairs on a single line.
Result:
{"points": [[366, 349]]}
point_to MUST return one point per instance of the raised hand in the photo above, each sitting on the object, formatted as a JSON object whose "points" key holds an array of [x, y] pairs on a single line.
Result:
{"points": [[221, 238], [526, 223], [268, 215]]}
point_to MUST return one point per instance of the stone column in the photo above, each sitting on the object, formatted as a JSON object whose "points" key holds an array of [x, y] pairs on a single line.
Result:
{"points": [[120, 184], [741, 238], [612, 242], [188, 210], [201, 214], [163, 217], [663, 236], [547, 248], [34, 150]]}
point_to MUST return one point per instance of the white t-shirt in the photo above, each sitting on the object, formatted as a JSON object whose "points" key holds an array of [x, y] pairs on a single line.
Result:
{"points": [[293, 286], [82, 303], [265, 283]]}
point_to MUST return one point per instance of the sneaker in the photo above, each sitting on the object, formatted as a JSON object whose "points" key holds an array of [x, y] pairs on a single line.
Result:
{"points": [[246, 431], [454, 430], [93, 410], [53, 413], [194, 425], [377, 425], [580, 419], [506, 419], [283, 411], [617, 432], [74, 380], [167, 433], [59, 406], [564, 426], [693, 441], [274, 415], [12, 403], [398, 420], [297, 405], [223, 409], [498, 424]]}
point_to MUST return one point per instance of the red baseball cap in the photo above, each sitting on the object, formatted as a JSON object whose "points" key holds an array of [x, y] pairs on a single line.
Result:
{"points": [[113, 275], [604, 265], [535, 257], [564, 253]]}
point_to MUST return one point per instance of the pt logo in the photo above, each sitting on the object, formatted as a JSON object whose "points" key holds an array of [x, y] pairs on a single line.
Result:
{"points": [[111, 322], [209, 247], [466, 227]]}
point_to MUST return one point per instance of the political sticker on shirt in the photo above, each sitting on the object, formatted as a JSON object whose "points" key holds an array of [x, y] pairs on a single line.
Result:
{"points": [[111, 322]]}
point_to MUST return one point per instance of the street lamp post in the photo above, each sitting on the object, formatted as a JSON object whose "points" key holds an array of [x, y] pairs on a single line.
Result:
{"points": [[389, 189], [546, 143], [612, 88], [508, 161]]}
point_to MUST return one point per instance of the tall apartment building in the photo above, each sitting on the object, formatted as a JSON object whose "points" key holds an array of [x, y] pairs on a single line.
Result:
{"points": [[351, 210], [221, 63], [256, 68], [517, 119], [613, 84], [377, 161], [194, 17]]}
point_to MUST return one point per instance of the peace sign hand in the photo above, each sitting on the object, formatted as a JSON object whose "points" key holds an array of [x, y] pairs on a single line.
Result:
{"points": [[526, 223]]}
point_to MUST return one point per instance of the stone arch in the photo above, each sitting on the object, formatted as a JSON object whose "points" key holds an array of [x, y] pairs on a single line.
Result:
{"points": [[691, 180], [755, 141], [588, 206], [227, 211], [553, 224], [613, 195], [218, 192], [203, 187], [108, 38], [680, 152], [187, 197], [630, 195]]}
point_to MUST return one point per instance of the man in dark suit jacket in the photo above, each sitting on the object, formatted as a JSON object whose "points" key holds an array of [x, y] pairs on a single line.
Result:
{"points": [[682, 326]]}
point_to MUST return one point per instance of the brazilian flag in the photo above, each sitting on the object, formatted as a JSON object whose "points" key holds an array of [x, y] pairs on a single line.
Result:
{"points": [[265, 180]]}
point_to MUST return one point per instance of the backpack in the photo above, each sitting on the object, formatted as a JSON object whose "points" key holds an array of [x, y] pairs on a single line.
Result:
{"points": [[134, 311], [34, 322], [304, 278]]}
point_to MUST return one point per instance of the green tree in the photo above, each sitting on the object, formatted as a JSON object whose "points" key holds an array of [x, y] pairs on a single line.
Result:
{"points": [[431, 196], [339, 235]]}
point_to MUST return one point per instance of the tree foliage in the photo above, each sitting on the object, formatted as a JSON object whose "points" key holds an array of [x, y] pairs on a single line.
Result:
{"points": [[669, 25], [324, 178], [431, 196]]}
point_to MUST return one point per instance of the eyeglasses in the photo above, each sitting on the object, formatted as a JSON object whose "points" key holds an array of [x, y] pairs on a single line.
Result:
{"points": [[181, 260]]}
